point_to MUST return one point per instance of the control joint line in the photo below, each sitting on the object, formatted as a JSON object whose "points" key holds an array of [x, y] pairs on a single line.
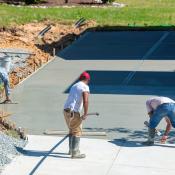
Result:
{"points": [[148, 53]]}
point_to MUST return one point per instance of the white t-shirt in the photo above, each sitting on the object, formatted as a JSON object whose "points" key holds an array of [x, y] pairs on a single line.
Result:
{"points": [[154, 102], [75, 98]]}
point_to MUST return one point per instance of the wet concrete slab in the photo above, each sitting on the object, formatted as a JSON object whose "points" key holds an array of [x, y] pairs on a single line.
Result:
{"points": [[41, 98]]}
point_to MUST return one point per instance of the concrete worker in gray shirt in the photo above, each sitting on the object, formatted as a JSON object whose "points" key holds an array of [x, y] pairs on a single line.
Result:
{"points": [[4, 82], [159, 108], [77, 99]]}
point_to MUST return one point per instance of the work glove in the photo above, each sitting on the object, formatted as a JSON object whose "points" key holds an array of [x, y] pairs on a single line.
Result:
{"points": [[84, 117], [163, 139]]}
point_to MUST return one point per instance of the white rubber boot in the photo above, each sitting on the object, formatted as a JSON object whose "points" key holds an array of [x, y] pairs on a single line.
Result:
{"points": [[70, 144], [75, 148]]}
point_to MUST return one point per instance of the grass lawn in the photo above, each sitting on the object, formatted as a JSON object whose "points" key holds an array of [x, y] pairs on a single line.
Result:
{"points": [[138, 12]]}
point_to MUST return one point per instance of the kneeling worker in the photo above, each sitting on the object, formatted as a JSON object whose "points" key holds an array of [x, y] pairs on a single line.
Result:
{"points": [[77, 99], [158, 108]]}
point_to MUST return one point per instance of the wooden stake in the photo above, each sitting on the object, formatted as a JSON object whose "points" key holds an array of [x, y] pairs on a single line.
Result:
{"points": [[53, 52]]}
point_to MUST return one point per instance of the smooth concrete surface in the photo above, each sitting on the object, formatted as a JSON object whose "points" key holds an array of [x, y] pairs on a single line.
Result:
{"points": [[126, 68], [111, 45], [119, 87], [47, 155]]}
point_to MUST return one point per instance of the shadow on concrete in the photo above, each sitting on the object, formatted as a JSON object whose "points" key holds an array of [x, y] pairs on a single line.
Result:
{"points": [[132, 138], [141, 83], [125, 137], [121, 43], [129, 133], [131, 28], [33, 153], [63, 42], [44, 155], [135, 143], [126, 143]]}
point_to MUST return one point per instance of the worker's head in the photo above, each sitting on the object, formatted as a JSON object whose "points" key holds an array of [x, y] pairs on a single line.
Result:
{"points": [[85, 77]]}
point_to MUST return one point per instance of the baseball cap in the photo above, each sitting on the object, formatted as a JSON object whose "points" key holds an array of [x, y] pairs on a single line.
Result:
{"points": [[85, 75]]}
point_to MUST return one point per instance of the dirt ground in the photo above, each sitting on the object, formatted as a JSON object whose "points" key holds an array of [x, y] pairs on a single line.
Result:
{"points": [[25, 37]]}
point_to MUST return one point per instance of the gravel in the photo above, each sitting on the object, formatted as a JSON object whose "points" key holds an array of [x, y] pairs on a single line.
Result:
{"points": [[8, 148]]}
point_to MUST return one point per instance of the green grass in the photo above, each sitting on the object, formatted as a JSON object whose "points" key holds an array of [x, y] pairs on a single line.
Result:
{"points": [[138, 12]]}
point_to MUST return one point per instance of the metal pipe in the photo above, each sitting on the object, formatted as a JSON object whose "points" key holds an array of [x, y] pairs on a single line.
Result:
{"points": [[18, 53], [84, 133]]}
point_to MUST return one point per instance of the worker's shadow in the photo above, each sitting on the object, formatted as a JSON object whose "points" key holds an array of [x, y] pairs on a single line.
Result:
{"points": [[137, 143], [126, 137], [44, 154], [126, 143], [135, 138], [34, 153]]}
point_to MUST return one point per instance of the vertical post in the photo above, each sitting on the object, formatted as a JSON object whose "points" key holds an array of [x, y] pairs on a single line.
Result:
{"points": [[18, 79], [34, 67], [53, 52], [40, 63]]}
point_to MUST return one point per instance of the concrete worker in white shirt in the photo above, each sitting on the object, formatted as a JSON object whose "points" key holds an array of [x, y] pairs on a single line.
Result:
{"points": [[158, 108], [77, 99]]}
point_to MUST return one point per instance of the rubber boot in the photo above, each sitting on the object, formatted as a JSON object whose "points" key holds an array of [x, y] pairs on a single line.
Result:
{"points": [[75, 148], [151, 135], [70, 144]]}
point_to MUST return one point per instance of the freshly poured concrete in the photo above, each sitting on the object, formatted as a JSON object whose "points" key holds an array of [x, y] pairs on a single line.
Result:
{"points": [[121, 106], [103, 158], [129, 58]]}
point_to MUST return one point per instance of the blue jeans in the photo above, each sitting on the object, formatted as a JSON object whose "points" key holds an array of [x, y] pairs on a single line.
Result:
{"points": [[164, 110], [5, 80]]}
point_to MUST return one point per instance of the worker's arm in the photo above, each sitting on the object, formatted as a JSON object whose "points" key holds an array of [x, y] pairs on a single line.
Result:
{"points": [[85, 104], [149, 108], [168, 128]]}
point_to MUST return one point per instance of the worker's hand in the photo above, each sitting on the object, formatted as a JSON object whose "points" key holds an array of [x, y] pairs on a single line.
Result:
{"points": [[163, 139], [150, 113], [84, 117]]}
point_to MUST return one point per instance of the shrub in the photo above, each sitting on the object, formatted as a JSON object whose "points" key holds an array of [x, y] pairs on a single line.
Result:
{"points": [[107, 1], [32, 1]]}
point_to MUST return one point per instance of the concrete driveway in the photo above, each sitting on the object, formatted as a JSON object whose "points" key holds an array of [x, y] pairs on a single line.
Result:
{"points": [[126, 69]]}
